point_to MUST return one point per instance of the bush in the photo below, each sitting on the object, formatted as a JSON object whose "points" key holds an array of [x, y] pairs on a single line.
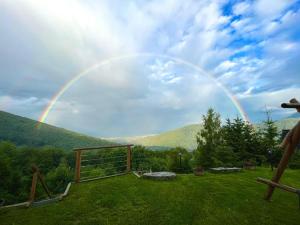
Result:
{"points": [[179, 160], [295, 161], [58, 178]]}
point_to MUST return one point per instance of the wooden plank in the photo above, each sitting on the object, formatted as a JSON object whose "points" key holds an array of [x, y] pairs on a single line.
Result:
{"points": [[281, 186], [16, 205], [78, 165], [102, 147], [45, 201], [136, 173], [66, 191]]}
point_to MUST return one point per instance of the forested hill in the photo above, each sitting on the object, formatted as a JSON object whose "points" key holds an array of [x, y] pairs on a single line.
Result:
{"points": [[24, 131]]}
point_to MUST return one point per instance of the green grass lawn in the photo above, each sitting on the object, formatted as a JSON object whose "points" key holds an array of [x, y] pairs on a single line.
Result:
{"points": [[211, 199]]}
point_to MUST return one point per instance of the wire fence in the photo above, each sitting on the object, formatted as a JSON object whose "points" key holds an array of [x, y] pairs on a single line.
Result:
{"points": [[106, 161]]}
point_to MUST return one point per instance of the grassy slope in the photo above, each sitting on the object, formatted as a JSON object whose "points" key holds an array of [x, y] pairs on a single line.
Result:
{"points": [[212, 199], [183, 137], [24, 131]]}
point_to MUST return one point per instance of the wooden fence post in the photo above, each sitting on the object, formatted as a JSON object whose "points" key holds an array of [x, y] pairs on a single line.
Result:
{"points": [[33, 187], [78, 166], [128, 158], [290, 143], [44, 184]]}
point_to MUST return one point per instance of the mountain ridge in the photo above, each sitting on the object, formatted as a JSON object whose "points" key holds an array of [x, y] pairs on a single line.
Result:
{"points": [[24, 131], [186, 136]]}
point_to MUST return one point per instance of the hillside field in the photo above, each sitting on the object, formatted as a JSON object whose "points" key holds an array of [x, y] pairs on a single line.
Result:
{"points": [[212, 199]]}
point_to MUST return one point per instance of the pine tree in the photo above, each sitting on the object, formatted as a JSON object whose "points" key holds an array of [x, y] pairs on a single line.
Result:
{"points": [[243, 139], [270, 138], [270, 133], [208, 139]]}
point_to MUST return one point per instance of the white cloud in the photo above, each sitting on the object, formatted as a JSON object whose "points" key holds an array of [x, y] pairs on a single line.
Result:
{"points": [[258, 103], [209, 17], [271, 9], [250, 54], [225, 66], [241, 8], [20, 105], [243, 72]]}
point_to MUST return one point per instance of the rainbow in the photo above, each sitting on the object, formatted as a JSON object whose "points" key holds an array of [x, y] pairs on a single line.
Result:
{"points": [[67, 85]]}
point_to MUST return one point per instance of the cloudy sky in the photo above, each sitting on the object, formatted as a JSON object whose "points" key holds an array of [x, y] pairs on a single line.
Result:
{"points": [[143, 67]]}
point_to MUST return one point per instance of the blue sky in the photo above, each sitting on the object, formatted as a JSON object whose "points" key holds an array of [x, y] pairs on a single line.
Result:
{"points": [[252, 48]]}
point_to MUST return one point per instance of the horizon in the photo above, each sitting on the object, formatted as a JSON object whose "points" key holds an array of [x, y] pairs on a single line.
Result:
{"points": [[127, 138], [154, 73]]}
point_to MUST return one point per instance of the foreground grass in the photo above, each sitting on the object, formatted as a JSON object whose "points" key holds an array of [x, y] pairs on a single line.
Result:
{"points": [[210, 199]]}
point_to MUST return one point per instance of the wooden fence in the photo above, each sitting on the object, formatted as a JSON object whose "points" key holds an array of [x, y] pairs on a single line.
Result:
{"points": [[95, 163]]}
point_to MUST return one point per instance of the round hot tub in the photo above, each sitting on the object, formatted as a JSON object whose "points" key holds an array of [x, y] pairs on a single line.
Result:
{"points": [[160, 175]]}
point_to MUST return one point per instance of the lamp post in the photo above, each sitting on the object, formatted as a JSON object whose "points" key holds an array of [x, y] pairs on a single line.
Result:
{"points": [[180, 155], [270, 154]]}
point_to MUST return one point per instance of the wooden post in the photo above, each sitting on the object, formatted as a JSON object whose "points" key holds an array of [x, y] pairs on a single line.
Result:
{"points": [[36, 170], [37, 175], [44, 184], [290, 143], [33, 187], [78, 166], [281, 186], [128, 158]]}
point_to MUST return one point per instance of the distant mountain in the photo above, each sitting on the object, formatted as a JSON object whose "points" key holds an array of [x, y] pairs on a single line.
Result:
{"points": [[181, 137], [24, 131], [295, 115], [186, 136], [126, 140], [284, 124]]}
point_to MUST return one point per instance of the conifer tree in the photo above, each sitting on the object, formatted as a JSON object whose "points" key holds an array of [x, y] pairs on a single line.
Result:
{"points": [[270, 140], [270, 133], [244, 140], [208, 139]]}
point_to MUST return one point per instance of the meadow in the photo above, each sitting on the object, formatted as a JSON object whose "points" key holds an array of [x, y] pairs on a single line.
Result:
{"points": [[212, 199]]}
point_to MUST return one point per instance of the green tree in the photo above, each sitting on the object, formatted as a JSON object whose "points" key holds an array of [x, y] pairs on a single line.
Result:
{"points": [[208, 139], [225, 156], [178, 160], [243, 139], [270, 133], [270, 138]]}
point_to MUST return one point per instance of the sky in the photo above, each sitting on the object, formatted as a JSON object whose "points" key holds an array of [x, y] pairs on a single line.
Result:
{"points": [[128, 68]]}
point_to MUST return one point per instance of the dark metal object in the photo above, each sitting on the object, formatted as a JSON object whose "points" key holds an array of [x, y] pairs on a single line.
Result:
{"points": [[290, 105], [271, 159], [180, 155]]}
